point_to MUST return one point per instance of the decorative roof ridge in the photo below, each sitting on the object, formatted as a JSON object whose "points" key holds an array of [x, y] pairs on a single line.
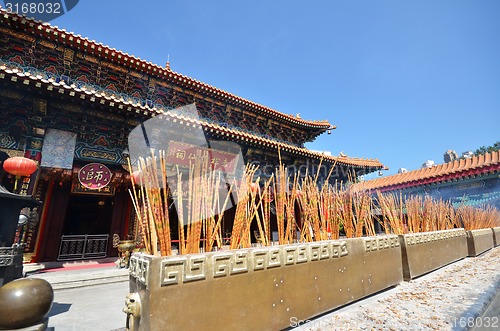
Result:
{"points": [[355, 158], [145, 109], [137, 63], [359, 160], [362, 162], [456, 167]]}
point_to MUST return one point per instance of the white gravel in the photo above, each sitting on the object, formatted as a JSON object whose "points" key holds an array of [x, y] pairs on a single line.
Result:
{"points": [[440, 300]]}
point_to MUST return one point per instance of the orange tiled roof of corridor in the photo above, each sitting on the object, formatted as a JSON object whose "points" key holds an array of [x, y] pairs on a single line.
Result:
{"points": [[475, 165]]}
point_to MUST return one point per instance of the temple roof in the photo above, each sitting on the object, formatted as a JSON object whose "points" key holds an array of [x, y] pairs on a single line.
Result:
{"points": [[474, 166], [116, 104], [91, 47]]}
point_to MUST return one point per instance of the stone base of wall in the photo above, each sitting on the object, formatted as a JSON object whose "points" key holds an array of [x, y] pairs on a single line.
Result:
{"points": [[427, 251], [479, 241], [11, 264], [496, 236]]}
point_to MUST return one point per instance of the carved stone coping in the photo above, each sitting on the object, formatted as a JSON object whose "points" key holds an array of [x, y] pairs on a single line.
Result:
{"points": [[11, 256], [139, 267], [379, 243], [423, 237], [480, 232], [192, 267], [175, 270]]}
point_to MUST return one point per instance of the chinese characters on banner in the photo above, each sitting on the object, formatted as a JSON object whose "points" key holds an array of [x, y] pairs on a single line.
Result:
{"points": [[183, 154], [94, 176]]}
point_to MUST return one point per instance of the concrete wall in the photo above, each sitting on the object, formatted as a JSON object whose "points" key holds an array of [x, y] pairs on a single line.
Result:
{"points": [[427, 251], [261, 288]]}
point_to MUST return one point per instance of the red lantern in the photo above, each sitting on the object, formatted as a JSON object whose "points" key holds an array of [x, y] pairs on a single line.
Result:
{"points": [[19, 166], [137, 177], [254, 187]]}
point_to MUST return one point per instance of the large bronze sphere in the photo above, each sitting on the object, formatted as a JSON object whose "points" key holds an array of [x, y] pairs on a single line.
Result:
{"points": [[24, 302]]}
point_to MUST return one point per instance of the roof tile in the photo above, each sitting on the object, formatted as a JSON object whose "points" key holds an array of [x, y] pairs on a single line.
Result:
{"points": [[486, 163], [349, 161], [321, 124]]}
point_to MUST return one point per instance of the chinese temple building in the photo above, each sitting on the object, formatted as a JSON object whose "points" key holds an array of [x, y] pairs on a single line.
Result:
{"points": [[69, 103], [473, 181]]}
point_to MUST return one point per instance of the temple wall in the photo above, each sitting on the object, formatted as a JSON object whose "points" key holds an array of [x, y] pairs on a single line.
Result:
{"points": [[92, 72]]}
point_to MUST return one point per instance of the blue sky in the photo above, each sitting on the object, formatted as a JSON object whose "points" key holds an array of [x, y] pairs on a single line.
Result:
{"points": [[402, 80]]}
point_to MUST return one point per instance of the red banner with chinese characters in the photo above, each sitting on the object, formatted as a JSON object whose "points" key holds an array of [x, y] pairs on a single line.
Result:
{"points": [[183, 154]]}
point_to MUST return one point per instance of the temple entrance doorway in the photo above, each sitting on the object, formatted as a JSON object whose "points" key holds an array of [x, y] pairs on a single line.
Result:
{"points": [[86, 227]]}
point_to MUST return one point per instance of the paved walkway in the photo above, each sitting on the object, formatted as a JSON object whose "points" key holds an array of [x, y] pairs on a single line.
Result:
{"points": [[87, 296], [82, 275], [445, 299], [490, 319], [92, 308], [91, 297]]}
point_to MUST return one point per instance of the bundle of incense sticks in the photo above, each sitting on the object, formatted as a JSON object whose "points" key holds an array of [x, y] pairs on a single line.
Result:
{"points": [[262, 207], [214, 211], [246, 209], [312, 225], [362, 214], [426, 214], [472, 218], [441, 215], [319, 208], [328, 210], [202, 196], [150, 201], [345, 212], [281, 189], [391, 206], [290, 208], [265, 210], [198, 199], [415, 213]]}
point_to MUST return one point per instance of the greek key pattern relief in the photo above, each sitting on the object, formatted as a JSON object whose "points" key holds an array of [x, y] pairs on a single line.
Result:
{"points": [[380, 243], [139, 269], [6, 261], [420, 238], [11, 250], [481, 232], [177, 270], [172, 270]]}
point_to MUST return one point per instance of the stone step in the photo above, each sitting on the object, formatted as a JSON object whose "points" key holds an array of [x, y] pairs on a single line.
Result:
{"points": [[76, 283], [81, 275]]}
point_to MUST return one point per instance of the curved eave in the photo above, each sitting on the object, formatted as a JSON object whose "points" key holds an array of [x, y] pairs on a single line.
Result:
{"points": [[55, 34], [25, 79]]}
